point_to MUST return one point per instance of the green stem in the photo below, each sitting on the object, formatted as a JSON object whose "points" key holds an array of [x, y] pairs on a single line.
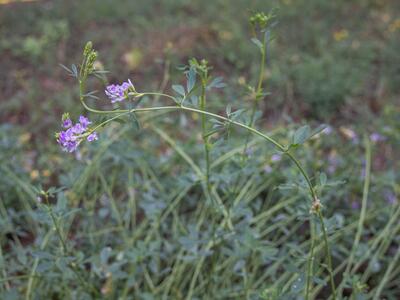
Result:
{"points": [[304, 173], [360, 226], [55, 223], [257, 93], [244, 126], [204, 131], [386, 276], [310, 259], [328, 254], [4, 271], [280, 147]]}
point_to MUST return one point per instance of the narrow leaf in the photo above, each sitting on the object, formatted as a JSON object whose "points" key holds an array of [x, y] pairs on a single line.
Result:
{"points": [[322, 178], [179, 89], [74, 70], [258, 43], [216, 83], [65, 68], [191, 75], [301, 135]]}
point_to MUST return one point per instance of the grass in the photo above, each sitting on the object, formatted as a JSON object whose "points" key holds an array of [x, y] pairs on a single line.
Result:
{"points": [[130, 217]]}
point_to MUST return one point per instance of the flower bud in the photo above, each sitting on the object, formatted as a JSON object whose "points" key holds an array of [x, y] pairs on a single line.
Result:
{"points": [[65, 116], [261, 20], [88, 48], [316, 206], [90, 61]]}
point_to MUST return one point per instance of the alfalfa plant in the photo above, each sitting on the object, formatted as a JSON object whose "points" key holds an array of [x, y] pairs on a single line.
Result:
{"points": [[192, 98]]}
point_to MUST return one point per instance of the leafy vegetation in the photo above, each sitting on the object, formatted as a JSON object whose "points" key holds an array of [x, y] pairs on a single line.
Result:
{"points": [[211, 185]]}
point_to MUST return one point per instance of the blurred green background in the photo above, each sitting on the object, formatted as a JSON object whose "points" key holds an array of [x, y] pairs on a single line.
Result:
{"points": [[333, 62]]}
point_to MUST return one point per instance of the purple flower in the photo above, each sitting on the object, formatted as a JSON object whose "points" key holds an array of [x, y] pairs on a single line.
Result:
{"points": [[67, 123], [327, 130], [126, 85], [333, 162], [72, 146], [67, 141], [267, 169], [74, 134], [363, 173], [354, 138], [390, 197], [249, 151], [276, 157], [77, 129], [376, 137], [114, 93], [355, 205], [117, 93], [331, 169], [92, 137], [84, 121]]}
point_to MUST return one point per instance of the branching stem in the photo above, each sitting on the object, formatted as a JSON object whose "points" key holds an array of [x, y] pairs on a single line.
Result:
{"points": [[285, 150]]}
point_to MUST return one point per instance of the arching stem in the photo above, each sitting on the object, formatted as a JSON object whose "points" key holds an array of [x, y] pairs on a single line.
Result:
{"points": [[315, 200]]}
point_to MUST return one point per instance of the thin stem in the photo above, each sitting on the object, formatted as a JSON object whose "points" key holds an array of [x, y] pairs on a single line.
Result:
{"points": [[304, 173], [204, 130], [257, 93], [328, 254], [206, 113], [360, 226], [244, 126], [4, 271], [310, 262], [255, 131], [262, 65], [158, 108], [386, 276], [55, 223]]}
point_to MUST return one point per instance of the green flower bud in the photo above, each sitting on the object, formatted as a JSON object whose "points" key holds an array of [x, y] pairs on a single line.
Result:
{"points": [[90, 61], [88, 48], [261, 20], [65, 116]]}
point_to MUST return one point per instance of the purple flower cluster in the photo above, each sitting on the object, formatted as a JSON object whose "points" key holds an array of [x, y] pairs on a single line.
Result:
{"points": [[355, 205], [70, 138], [390, 197], [276, 157], [376, 137], [117, 92], [333, 162], [327, 130]]}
